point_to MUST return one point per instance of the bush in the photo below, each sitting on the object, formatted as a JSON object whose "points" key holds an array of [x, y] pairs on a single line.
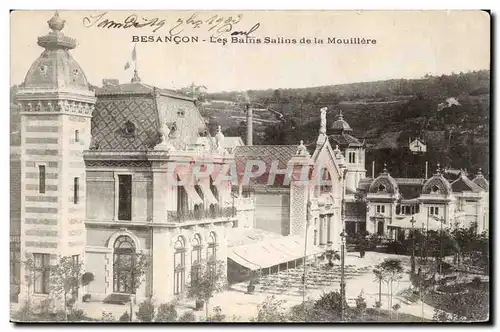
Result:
{"points": [[77, 315], [329, 306], [166, 313], [107, 317], [218, 316], [146, 311], [125, 317], [187, 317], [86, 298]]}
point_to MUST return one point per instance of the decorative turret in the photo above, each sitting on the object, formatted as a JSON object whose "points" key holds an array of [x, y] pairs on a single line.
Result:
{"points": [[340, 125], [384, 183], [481, 181], [56, 68], [437, 184]]}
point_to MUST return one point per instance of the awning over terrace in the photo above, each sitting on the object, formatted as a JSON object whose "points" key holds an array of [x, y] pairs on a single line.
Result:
{"points": [[271, 252], [428, 222]]}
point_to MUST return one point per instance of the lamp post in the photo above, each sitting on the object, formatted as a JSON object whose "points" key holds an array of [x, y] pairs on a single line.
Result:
{"points": [[412, 260], [342, 280], [441, 247]]}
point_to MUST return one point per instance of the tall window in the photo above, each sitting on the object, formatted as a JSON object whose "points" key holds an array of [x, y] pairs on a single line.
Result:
{"points": [[380, 208], [76, 188], [41, 179], [326, 182], [434, 210], [42, 273], [182, 199], [123, 262], [352, 157], [125, 197], [179, 265], [77, 135], [328, 228], [196, 258], [212, 253]]}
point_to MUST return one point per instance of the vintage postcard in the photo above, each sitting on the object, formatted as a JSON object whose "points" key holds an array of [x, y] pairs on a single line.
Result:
{"points": [[250, 166]]}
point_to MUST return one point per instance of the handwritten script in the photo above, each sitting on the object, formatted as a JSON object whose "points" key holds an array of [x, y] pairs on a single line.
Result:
{"points": [[216, 24]]}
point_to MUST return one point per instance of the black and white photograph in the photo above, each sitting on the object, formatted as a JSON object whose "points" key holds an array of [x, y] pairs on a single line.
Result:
{"points": [[251, 166]]}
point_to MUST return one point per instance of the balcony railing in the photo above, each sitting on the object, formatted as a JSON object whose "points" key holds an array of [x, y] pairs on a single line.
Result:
{"points": [[191, 215]]}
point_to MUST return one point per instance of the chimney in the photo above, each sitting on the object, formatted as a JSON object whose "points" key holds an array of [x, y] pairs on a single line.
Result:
{"points": [[426, 169], [110, 82], [373, 169], [249, 125]]}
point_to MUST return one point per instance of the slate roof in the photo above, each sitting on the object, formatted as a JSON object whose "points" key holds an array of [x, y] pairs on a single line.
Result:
{"points": [[463, 183], [481, 181], [266, 153], [343, 140], [148, 109]]}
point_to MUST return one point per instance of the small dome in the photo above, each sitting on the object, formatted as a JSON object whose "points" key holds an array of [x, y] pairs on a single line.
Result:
{"points": [[437, 184], [56, 68], [384, 183], [481, 181], [340, 124]]}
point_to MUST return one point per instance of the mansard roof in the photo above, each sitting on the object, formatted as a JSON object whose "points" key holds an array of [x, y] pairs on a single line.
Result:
{"points": [[128, 117], [384, 183], [437, 184], [463, 183]]}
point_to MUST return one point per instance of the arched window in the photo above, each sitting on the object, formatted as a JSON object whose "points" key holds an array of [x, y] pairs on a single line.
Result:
{"points": [[381, 187], [179, 265], [326, 182], [212, 252], [435, 189], [123, 262], [196, 258]]}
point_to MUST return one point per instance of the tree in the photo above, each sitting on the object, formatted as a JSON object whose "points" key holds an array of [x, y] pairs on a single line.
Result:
{"points": [[210, 280], [332, 255], [392, 270], [87, 278], [29, 276], [65, 280], [361, 305], [379, 277], [136, 267]]}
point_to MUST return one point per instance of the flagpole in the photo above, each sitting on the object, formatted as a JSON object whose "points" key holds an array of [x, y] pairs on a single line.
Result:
{"points": [[135, 60]]}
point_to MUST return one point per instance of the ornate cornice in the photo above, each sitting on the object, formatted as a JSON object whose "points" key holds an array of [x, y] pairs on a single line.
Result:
{"points": [[56, 107]]}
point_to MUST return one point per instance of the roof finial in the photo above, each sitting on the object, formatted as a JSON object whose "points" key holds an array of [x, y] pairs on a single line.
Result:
{"points": [[322, 127], [385, 168], [136, 77], [480, 172], [340, 116], [55, 23], [438, 170], [302, 150]]}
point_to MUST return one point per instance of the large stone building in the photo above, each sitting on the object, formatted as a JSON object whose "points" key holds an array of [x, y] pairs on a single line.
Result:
{"points": [[95, 169]]}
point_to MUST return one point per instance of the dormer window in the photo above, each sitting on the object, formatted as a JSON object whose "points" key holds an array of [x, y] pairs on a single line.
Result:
{"points": [[435, 189], [381, 187], [43, 69], [129, 129]]}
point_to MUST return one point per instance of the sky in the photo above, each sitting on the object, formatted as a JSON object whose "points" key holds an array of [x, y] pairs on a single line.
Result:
{"points": [[409, 44]]}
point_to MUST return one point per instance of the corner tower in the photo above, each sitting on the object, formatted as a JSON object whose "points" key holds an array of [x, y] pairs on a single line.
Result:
{"points": [[56, 105], [339, 134]]}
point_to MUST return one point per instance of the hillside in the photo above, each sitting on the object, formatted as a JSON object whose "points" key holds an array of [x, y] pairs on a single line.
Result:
{"points": [[385, 114]]}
